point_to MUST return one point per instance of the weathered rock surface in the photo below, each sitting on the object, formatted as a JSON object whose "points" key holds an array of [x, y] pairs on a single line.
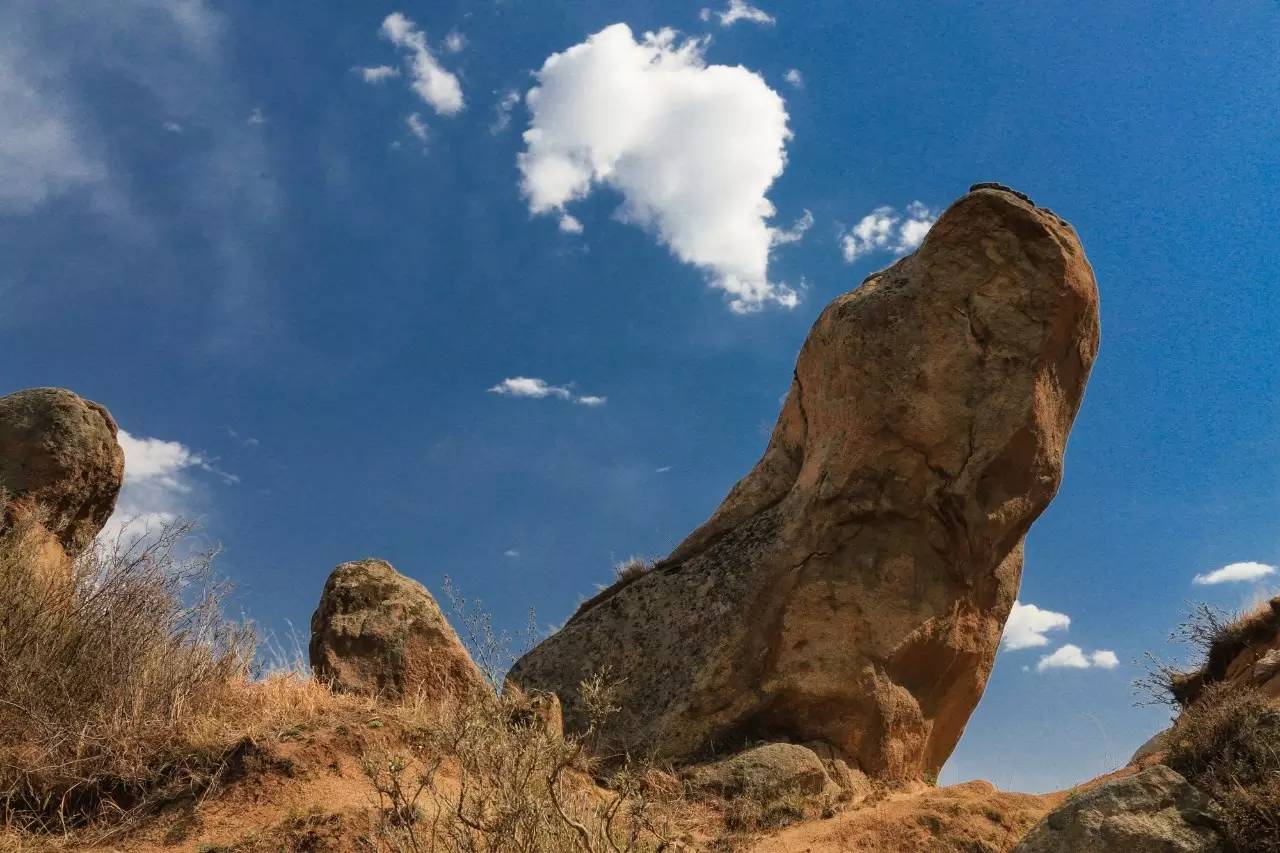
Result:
{"points": [[378, 632], [853, 587], [59, 459], [1155, 811], [764, 771]]}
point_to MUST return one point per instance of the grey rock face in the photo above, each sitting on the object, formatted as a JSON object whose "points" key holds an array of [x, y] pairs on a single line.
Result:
{"points": [[380, 633], [1154, 811]]}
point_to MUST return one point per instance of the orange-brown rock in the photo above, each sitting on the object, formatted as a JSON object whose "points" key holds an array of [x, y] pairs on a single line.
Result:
{"points": [[380, 633], [60, 463], [853, 587]]}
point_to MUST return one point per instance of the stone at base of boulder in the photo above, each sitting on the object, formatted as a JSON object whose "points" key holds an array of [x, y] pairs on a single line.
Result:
{"points": [[536, 710], [1154, 811], [765, 771]]}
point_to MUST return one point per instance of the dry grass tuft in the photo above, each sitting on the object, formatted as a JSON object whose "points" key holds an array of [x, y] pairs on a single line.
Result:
{"points": [[100, 672], [122, 685], [1228, 744]]}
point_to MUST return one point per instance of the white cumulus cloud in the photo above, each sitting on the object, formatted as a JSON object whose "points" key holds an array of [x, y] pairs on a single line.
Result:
{"points": [[435, 85], [885, 229], [740, 10], [378, 73], [1235, 573], [570, 224], [1073, 657], [1028, 625], [692, 149], [590, 400], [794, 77]]}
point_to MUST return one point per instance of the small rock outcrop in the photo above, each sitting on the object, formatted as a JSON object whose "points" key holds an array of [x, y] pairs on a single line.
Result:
{"points": [[1152, 748], [380, 633], [765, 771], [853, 587], [1154, 811], [1245, 655], [59, 462]]}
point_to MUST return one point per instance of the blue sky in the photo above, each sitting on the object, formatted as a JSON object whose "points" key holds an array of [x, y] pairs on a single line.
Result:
{"points": [[296, 298]]}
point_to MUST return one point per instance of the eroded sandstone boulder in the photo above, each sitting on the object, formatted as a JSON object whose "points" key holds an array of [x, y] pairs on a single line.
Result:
{"points": [[763, 771], [59, 462], [380, 633], [1154, 811], [853, 587]]}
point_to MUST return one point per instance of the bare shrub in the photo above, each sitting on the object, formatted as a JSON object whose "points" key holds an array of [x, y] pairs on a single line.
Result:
{"points": [[100, 672], [1228, 743], [512, 784], [1215, 636]]}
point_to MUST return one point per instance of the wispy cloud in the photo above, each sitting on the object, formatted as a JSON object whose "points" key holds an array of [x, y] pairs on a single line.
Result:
{"points": [[455, 42], [887, 230], [531, 387], [416, 126], [159, 481], [794, 234], [378, 73], [794, 78], [502, 111], [436, 86], [61, 139], [1235, 573], [691, 148], [739, 10]]}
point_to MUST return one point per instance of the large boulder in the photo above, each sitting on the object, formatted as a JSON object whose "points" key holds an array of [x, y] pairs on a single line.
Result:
{"points": [[379, 633], [59, 462], [853, 587], [1155, 811]]}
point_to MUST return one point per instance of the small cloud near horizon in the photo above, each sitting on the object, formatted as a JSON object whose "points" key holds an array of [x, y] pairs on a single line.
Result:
{"points": [[1073, 657], [1235, 573], [533, 388]]}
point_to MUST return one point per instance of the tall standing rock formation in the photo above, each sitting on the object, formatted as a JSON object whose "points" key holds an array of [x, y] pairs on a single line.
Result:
{"points": [[853, 587], [59, 458]]}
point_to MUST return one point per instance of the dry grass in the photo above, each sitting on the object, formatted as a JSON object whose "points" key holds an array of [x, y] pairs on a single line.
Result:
{"points": [[1216, 637], [122, 685], [101, 670], [489, 776], [1228, 744]]}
